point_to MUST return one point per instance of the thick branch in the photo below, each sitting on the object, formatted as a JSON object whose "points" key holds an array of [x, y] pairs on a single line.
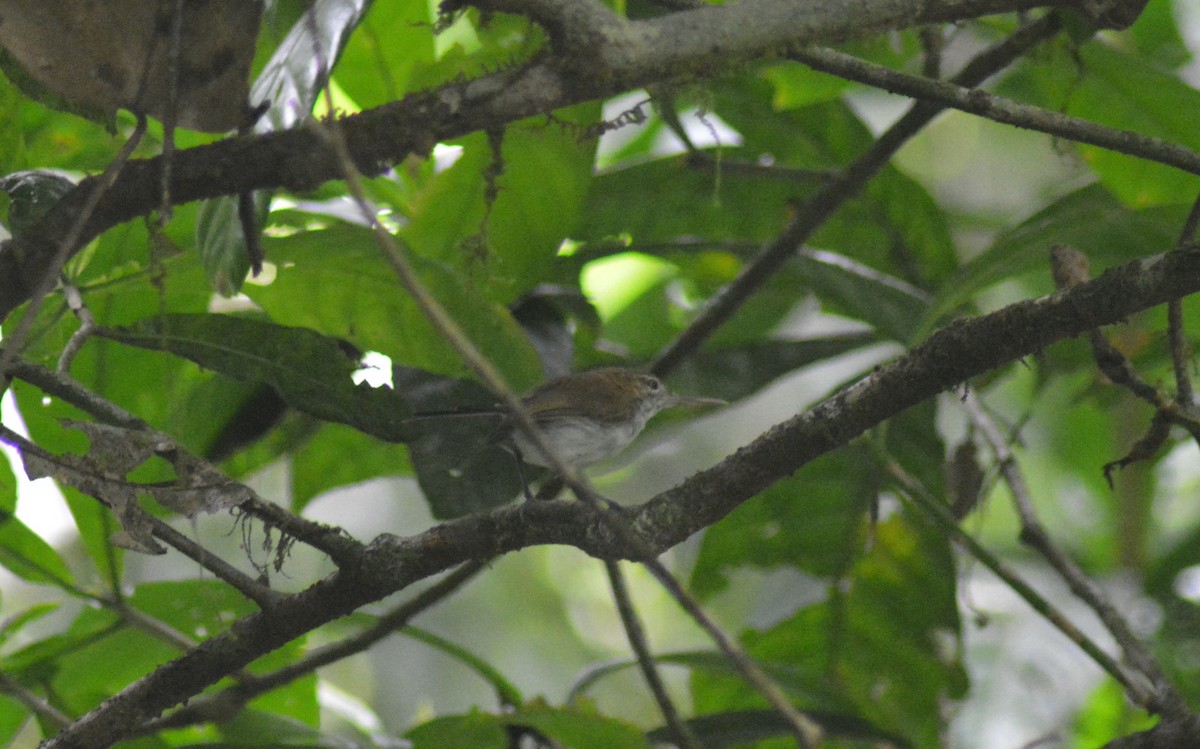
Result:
{"points": [[629, 54], [953, 355]]}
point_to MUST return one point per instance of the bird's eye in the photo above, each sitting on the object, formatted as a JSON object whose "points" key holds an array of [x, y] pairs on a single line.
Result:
{"points": [[652, 383]]}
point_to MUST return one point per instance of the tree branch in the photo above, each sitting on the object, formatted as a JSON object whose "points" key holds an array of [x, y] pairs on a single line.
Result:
{"points": [[691, 44], [950, 356], [835, 193]]}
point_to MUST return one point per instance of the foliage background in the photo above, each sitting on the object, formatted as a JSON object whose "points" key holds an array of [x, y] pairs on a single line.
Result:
{"points": [[881, 621]]}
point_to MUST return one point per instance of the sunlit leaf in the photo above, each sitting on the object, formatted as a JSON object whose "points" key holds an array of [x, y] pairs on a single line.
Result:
{"points": [[311, 372]]}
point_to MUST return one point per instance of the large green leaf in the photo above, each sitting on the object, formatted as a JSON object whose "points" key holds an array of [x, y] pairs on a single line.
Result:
{"points": [[889, 304], [361, 301], [685, 202], [1124, 91], [1089, 219], [869, 644], [538, 182], [814, 521], [1109, 84], [546, 176], [459, 469], [313, 373], [393, 41]]}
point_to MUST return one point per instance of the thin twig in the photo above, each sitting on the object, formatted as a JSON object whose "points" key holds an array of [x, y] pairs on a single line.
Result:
{"points": [[962, 96], [1160, 695], [87, 325], [174, 52], [834, 194], [1180, 355], [684, 736], [333, 541], [938, 512], [807, 731], [252, 589], [36, 704], [14, 341], [230, 701]]}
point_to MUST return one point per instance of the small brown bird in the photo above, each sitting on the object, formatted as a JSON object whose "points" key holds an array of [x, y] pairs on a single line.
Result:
{"points": [[590, 416]]}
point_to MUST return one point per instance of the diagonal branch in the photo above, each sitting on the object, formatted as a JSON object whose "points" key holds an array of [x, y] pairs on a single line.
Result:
{"points": [[697, 43], [835, 193], [952, 355]]}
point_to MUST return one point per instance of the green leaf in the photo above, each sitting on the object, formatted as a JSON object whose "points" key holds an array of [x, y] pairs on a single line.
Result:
{"points": [[734, 372], [477, 730], [392, 43], [310, 371], [1122, 90], [1156, 37], [580, 729], [539, 182], [8, 488], [221, 240], [12, 624], [1089, 219], [737, 727], [814, 521], [546, 177], [338, 456], [803, 678], [1107, 713], [31, 194], [102, 660], [459, 469], [295, 74], [37, 661], [890, 305], [798, 85], [13, 715], [687, 202], [448, 207], [362, 301], [898, 666], [26, 555]]}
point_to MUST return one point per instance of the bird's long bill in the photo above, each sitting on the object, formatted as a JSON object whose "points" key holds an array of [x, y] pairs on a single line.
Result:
{"points": [[691, 401]]}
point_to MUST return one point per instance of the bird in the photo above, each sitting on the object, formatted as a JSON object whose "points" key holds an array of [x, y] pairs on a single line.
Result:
{"points": [[589, 416]]}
